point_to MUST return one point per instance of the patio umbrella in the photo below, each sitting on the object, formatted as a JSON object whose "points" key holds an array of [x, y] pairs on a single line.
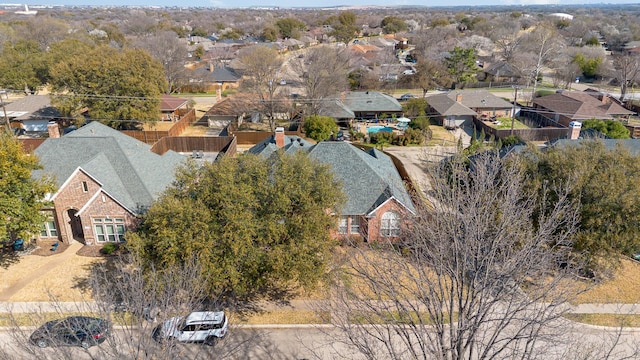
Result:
{"points": [[403, 120]]}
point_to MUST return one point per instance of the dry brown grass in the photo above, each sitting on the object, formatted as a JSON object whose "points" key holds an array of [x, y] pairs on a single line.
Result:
{"points": [[63, 282], [194, 130], [283, 317], [441, 135], [623, 287], [613, 320], [158, 126], [64, 288]]}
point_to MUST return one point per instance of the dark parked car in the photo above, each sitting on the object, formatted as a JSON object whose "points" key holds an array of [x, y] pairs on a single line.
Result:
{"points": [[406, 97], [73, 331]]}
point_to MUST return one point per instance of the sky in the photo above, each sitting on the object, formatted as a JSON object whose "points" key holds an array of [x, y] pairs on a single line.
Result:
{"points": [[317, 3]]}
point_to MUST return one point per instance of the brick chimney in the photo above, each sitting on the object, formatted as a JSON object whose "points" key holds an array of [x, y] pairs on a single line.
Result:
{"points": [[574, 129], [279, 136], [54, 129], [459, 97]]}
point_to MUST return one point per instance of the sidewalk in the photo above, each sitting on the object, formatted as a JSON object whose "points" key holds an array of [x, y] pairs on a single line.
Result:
{"points": [[302, 305]]}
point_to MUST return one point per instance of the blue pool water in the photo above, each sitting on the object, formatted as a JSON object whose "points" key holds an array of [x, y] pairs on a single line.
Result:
{"points": [[378, 128]]}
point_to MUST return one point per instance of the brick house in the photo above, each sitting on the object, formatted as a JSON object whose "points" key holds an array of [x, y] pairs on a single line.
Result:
{"points": [[568, 106], [105, 180], [458, 108], [378, 205]]}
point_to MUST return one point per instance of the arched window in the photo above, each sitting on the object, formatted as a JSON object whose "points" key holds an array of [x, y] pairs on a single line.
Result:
{"points": [[390, 224]]}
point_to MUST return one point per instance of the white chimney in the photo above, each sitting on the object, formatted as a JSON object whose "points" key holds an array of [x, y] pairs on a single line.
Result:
{"points": [[574, 129]]}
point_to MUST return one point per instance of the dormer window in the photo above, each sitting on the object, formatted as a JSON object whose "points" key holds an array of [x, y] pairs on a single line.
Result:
{"points": [[85, 187]]}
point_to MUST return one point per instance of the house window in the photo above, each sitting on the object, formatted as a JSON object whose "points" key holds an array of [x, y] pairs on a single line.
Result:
{"points": [[85, 187], [390, 224], [342, 225], [355, 225], [109, 229], [49, 229]]}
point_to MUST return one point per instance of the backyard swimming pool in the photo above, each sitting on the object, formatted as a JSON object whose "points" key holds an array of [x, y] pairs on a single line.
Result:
{"points": [[378, 128]]}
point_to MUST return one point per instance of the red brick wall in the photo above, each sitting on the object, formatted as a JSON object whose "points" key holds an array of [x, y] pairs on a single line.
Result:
{"points": [[104, 206], [370, 228], [73, 196], [376, 222]]}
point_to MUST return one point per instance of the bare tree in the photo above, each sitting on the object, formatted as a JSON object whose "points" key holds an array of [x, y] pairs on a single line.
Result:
{"points": [[44, 30], [481, 276], [626, 69], [262, 66], [323, 71], [543, 44], [507, 38], [167, 48]]}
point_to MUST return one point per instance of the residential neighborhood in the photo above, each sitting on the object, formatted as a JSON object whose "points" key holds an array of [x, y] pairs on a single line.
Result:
{"points": [[354, 182]]}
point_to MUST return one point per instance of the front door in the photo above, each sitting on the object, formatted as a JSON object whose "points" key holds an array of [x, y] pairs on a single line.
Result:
{"points": [[76, 225]]}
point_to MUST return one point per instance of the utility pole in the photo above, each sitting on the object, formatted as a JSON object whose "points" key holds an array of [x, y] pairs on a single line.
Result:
{"points": [[513, 112]]}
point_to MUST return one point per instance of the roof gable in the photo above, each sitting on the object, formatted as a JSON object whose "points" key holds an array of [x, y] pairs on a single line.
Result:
{"points": [[369, 178], [127, 168]]}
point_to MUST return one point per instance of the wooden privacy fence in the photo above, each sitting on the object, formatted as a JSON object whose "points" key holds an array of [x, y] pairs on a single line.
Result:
{"points": [[542, 128], [537, 134], [187, 117], [185, 144]]}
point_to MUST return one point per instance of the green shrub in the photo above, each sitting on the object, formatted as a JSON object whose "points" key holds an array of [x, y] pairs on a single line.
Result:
{"points": [[109, 248]]}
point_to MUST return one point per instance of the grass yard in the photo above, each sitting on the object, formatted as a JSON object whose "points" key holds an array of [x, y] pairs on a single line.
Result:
{"points": [[64, 283], [613, 320], [440, 136], [292, 317], [505, 124], [623, 287]]}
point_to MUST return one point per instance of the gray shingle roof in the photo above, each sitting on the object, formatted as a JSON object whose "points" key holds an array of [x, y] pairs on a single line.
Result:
{"points": [[219, 74], [446, 104], [268, 146], [126, 167], [335, 109], [367, 101], [369, 178]]}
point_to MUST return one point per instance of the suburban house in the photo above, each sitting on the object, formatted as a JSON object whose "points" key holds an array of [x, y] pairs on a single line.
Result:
{"points": [[172, 107], [458, 108], [212, 78], [105, 180], [31, 114], [377, 206], [359, 105], [501, 72], [568, 106]]}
